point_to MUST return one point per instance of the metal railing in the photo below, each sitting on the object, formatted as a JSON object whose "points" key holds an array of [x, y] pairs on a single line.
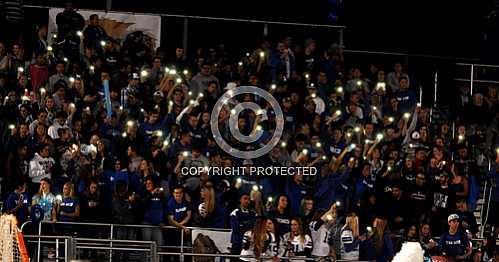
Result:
{"points": [[74, 244], [186, 22], [474, 77], [112, 241]]}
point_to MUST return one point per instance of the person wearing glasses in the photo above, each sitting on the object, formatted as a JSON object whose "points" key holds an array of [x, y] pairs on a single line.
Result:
{"points": [[454, 244]]}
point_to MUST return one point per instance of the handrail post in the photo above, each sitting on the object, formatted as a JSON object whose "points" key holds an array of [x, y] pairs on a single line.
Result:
{"points": [[154, 252], [66, 250], [57, 249], [265, 29], [111, 243], [471, 78], [39, 241], [181, 245]]}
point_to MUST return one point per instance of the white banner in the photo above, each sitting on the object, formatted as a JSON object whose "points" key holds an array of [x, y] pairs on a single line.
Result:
{"points": [[221, 239], [117, 25]]}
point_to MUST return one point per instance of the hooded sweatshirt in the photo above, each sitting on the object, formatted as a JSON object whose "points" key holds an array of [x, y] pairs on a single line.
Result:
{"points": [[39, 167]]}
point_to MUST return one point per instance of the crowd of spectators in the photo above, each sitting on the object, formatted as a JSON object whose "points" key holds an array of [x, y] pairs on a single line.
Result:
{"points": [[387, 173]]}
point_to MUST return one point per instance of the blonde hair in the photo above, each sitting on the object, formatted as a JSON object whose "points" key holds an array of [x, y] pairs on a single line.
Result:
{"points": [[259, 236], [380, 225], [352, 222], [300, 230], [71, 189], [210, 200]]}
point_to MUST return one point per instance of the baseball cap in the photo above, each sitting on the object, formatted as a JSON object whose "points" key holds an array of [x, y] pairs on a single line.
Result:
{"points": [[452, 217]]}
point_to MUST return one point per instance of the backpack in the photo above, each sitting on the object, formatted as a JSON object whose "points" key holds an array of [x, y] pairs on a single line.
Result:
{"points": [[203, 244]]}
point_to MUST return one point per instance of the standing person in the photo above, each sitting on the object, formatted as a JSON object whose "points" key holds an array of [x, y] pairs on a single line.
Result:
{"points": [[123, 212], [200, 82], [45, 200], [443, 201], [454, 244], [320, 231], [211, 212], [426, 240], [350, 238], [378, 244], [67, 209], [40, 167], [179, 215], [18, 203], [296, 242], [281, 215], [155, 206], [258, 242], [242, 219]]}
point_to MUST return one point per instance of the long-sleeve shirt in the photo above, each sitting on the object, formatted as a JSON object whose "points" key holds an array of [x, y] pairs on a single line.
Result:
{"points": [[330, 188], [39, 167], [241, 220]]}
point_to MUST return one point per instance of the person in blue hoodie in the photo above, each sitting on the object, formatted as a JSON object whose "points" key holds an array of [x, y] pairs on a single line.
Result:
{"points": [[155, 209], [18, 202], [296, 191], [331, 186]]}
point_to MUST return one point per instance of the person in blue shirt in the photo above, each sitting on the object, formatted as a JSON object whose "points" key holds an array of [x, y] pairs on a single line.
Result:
{"points": [[242, 219], [454, 244], [67, 207], [406, 98], [152, 126], [184, 144], [363, 182], [109, 178], [18, 203], [296, 191], [331, 185], [179, 215], [154, 205]]}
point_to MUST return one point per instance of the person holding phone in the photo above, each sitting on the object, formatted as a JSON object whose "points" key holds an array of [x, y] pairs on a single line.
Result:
{"points": [[18, 203]]}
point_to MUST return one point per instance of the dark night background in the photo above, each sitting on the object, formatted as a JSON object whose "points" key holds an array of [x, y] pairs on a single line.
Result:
{"points": [[420, 27]]}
